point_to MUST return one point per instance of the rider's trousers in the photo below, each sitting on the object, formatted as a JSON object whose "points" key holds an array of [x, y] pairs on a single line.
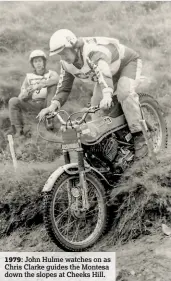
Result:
{"points": [[125, 82], [18, 108]]}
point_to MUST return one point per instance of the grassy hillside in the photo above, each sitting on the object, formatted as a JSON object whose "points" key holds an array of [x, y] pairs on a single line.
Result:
{"points": [[145, 26]]}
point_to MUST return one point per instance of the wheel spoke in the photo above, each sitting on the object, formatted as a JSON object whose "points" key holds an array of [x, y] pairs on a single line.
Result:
{"points": [[66, 227], [62, 214], [76, 232]]}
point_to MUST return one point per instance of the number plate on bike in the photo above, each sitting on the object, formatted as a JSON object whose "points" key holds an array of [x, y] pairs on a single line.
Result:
{"points": [[70, 140], [69, 136]]}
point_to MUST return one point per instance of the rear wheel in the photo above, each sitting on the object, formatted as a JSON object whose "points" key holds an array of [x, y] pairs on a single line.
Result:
{"points": [[156, 122], [68, 226]]}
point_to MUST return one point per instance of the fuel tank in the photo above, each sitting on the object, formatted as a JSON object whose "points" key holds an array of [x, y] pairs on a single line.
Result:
{"points": [[94, 131]]}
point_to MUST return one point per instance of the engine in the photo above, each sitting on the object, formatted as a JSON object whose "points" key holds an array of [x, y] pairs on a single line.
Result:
{"points": [[106, 149], [109, 155], [124, 157]]}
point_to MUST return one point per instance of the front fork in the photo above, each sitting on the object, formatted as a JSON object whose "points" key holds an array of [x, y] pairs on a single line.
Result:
{"points": [[82, 179], [67, 160]]}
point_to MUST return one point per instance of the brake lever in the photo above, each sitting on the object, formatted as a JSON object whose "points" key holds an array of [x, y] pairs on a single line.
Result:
{"points": [[50, 115], [95, 108]]}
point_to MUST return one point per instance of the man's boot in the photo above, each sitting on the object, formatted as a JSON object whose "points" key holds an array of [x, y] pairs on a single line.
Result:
{"points": [[140, 146]]}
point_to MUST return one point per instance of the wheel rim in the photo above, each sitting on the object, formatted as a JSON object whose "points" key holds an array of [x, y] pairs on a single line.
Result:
{"points": [[77, 228], [152, 118]]}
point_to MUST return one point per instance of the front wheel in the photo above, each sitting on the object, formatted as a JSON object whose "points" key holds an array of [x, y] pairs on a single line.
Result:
{"points": [[71, 228], [156, 122]]}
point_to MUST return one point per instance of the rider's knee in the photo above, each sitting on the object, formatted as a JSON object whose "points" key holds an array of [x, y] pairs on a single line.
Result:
{"points": [[125, 88], [14, 101]]}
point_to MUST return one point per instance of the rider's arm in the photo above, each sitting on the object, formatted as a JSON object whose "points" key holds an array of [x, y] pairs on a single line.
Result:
{"points": [[24, 95], [64, 87], [99, 62]]}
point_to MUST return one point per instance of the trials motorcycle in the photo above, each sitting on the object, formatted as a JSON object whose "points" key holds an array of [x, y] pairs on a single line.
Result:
{"points": [[75, 195]]}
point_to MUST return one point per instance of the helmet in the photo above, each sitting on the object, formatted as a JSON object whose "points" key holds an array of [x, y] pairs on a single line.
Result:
{"points": [[61, 39], [37, 53]]}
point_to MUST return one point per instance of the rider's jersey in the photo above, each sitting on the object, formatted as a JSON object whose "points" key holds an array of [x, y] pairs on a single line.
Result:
{"points": [[93, 50], [33, 79]]}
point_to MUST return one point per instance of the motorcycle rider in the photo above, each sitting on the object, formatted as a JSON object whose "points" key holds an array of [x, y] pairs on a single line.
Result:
{"points": [[105, 61], [37, 90]]}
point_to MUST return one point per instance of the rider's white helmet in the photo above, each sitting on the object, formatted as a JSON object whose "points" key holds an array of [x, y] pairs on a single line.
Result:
{"points": [[37, 53], [62, 38]]}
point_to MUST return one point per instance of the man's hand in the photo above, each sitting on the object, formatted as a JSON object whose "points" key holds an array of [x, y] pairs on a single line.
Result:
{"points": [[35, 87], [26, 94], [106, 102], [30, 90], [55, 105], [43, 113], [39, 86]]}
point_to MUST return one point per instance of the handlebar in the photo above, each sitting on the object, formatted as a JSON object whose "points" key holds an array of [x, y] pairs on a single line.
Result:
{"points": [[86, 111], [72, 124]]}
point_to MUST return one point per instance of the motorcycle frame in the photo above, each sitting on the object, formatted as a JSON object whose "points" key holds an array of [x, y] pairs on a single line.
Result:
{"points": [[80, 167]]}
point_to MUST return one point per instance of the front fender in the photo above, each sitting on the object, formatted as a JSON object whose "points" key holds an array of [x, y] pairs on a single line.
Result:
{"points": [[57, 173]]}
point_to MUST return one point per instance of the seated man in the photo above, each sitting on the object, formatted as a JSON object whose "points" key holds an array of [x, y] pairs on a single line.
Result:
{"points": [[37, 89], [104, 61]]}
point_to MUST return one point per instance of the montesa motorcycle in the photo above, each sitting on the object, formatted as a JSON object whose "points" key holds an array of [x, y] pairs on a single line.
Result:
{"points": [[75, 204]]}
